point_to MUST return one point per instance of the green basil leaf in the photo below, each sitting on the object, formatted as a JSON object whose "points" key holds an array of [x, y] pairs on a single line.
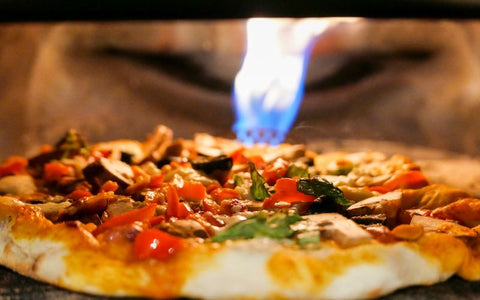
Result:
{"points": [[257, 189], [276, 226], [319, 188]]}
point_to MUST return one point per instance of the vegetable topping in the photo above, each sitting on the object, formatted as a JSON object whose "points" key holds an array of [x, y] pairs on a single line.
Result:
{"points": [[163, 194]]}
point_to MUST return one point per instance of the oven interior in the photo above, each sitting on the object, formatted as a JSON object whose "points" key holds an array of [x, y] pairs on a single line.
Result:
{"points": [[398, 78]]}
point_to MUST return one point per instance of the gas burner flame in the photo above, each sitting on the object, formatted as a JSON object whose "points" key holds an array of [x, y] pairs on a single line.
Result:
{"points": [[268, 89]]}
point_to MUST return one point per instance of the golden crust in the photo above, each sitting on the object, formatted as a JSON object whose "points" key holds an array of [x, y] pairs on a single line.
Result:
{"points": [[83, 264]]}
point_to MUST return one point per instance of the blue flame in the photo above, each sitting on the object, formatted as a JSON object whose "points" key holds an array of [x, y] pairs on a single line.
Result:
{"points": [[256, 123], [269, 87]]}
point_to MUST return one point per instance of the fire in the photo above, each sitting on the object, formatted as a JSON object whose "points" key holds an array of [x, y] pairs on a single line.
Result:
{"points": [[268, 89]]}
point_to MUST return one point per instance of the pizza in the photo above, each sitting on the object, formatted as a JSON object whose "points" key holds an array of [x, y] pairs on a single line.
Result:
{"points": [[209, 217]]}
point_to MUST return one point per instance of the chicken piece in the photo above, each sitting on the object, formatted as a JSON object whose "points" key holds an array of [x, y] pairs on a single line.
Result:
{"points": [[436, 225], [466, 211], [431, 196]]}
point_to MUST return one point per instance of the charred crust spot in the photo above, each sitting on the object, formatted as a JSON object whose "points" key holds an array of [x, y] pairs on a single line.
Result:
{"points": [[7, 251], [35, 266]]}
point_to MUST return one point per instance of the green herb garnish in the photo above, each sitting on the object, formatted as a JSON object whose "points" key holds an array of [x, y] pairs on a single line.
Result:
{"points": [[257, 189], [276, 226], [322, 188]]}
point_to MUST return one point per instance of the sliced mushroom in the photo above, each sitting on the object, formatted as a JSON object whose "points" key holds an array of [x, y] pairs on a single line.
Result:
{"points": [[387, 204], [336, 227], [210, 165], [99, 172], [93, 205], [122, 205], [370, 219], [51, 209], [218, 167], [185, 228]]}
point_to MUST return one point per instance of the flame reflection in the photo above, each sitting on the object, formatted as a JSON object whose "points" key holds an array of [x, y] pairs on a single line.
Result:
{"points": [[268, 89]]}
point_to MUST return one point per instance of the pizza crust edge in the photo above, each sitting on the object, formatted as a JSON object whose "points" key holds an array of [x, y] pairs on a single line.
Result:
{"points": [[256, 268]]}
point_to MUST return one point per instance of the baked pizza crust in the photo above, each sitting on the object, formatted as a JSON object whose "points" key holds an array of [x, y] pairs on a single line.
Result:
{"points": [[47, 241], [67, 255]]}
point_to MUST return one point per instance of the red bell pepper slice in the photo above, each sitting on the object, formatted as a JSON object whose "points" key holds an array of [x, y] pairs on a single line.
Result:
{"points": [[13, 165], [109, 186], [409, 180], [142, 214], [153, 243], [156, 181], [192, 190], [239, 157], [54, 171], [175, 208], [78, 194], [286, 191], [273, 171], [220, 194], [379, 188]]}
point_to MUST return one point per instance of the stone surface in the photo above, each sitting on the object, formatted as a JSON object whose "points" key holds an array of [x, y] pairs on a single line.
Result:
{"points": [[16, 287]]}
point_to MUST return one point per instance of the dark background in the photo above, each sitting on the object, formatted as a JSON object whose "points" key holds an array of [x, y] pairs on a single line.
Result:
{"points": [[14, 286], [28, 10]]}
